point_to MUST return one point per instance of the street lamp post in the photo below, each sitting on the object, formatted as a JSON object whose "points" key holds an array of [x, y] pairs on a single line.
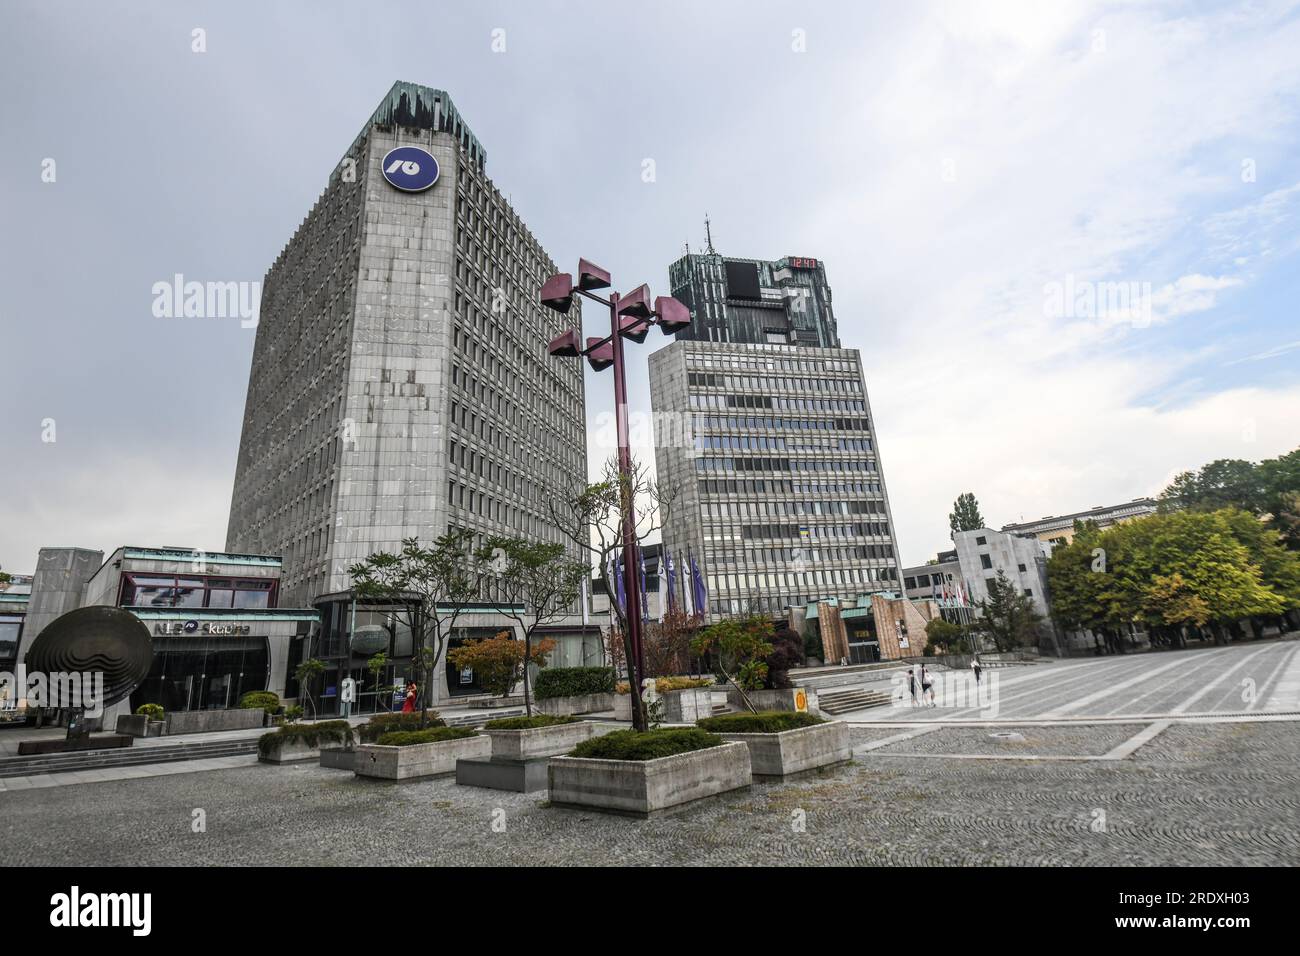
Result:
{"points": [[630, 317]]}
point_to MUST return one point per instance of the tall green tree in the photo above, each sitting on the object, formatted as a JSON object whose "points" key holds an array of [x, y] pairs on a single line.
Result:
{"points": [[428, 588], [538, 584], [965, 514], [1007, 616]]}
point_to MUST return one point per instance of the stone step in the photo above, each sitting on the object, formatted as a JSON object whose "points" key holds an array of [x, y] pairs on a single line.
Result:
{"points": [[857, 698], [720, 709], [124, 757]]}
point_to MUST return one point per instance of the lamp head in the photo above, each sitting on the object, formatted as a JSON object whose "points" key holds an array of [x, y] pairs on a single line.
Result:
{"points": [[636, 303], [591, 276], [634, 329], [557, 293], [673, 315], [565, 345], [600, 357]]}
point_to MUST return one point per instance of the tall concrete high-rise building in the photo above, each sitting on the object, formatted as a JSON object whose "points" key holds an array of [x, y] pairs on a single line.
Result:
{"points": [[400, 384], [764, 437]]}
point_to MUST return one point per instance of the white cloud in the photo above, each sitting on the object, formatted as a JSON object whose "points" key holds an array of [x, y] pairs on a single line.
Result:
{"points": [[1068, 161]]}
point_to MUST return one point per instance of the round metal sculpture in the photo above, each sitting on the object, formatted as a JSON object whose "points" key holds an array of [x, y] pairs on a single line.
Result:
{"points": [[101, 639]]}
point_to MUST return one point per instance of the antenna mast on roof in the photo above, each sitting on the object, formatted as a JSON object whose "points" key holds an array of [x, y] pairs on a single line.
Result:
{"points": [[708, 232]]}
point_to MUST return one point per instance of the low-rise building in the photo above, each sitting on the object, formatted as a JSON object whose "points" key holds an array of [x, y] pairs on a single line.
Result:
{"points": [[1059, 529]]}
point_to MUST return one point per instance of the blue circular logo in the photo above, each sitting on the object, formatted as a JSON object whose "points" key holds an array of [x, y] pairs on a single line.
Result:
{"points": [[410, 168]]}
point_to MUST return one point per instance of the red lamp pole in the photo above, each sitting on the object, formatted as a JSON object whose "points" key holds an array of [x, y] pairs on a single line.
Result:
{"points": [[630, 316]]}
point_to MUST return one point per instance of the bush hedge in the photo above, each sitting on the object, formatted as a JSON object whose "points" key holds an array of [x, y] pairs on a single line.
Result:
{"points": [[646, 745], [665, 684], [152, 711], [528, 723], [267, 700], [381, 724], [328, 731], [764, 722], [408, 738], [572, 681]]}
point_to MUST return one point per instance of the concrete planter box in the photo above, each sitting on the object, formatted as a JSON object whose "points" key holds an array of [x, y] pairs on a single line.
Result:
{"points": [[292, 751], [208, 721], [418, 760], [539, 741], [338, 758], [138, 725], [794, 751], [783, 699], [680, 706], [643, 787], [577, 704]]}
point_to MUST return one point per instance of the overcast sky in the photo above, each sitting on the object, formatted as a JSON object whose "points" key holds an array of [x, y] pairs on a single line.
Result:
{"points": [[957, 166]]}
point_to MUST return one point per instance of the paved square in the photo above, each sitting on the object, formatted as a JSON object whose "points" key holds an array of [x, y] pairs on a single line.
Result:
{"points": [[1220, 794]]}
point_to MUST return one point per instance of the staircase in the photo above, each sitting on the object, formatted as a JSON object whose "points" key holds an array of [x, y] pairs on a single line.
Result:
{"points": [[719, 709], [854, 698], [124, 757]]}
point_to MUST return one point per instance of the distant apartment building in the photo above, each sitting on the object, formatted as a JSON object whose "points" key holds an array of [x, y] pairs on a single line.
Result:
{"points": [[764, 436], [1059, 529]]}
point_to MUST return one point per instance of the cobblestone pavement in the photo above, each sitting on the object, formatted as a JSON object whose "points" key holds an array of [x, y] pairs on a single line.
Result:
{"points": [[1222, 794]]}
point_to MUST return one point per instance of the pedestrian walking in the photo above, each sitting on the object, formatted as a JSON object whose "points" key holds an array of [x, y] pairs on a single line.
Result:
{"points": [[927, 686], [975, 669], [911, 684], [408, 704]]}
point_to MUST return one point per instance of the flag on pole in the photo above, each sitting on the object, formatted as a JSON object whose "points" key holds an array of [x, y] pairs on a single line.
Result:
{"points": [[665, 595], [688, 605], [672, 603], [701, 594]]}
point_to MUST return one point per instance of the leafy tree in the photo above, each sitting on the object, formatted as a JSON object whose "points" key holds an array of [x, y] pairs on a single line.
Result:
{"points": [[429, 588], [742, 646], [787, 652], [965, 514], [1228, 482], [1007, 617], [1270, 490], [498, 661], [943, 635], [538, 583]]}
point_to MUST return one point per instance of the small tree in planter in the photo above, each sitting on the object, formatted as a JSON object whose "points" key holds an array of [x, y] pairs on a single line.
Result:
{"points": [[431, 587], [308, 672], [498, 660], [377, 665], [537, 583], [742, 647], [787, 652]]}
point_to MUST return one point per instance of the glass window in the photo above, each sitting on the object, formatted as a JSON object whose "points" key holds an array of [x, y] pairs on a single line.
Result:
{"points": [[252, 599], [221, 597]]}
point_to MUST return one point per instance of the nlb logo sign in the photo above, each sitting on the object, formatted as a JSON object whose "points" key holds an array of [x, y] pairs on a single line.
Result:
{"points": [[410, 169]]}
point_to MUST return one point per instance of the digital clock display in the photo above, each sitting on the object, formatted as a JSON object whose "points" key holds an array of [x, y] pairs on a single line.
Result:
{"points": [[798, 262]]}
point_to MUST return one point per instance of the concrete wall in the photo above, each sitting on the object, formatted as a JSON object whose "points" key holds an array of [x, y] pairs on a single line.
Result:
{"points": [[57, 587]]}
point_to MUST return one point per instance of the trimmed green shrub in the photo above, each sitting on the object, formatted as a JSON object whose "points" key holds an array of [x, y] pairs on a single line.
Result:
{"points": [[572, 681], [665, 685], [408, 738], [764, 722], [313, 735], [293, 713], [646, 745], [152, 711], [267, 700], [381, 724], [528, 723]]}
